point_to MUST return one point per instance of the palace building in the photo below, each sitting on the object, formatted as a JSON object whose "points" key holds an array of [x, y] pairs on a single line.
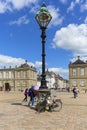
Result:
{"points": [[17, 78], [78, 74]]}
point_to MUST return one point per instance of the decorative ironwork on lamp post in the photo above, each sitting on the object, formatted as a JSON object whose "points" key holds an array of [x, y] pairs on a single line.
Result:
{"points": [[43, 18]]}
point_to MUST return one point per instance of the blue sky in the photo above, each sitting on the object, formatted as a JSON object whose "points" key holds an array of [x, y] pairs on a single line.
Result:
{"points": [[20, 34]]}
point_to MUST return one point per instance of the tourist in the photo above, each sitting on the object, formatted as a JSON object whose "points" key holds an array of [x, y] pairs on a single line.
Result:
{"points": [[36, 92], [31, 95], [26, 94], [75, 92]]}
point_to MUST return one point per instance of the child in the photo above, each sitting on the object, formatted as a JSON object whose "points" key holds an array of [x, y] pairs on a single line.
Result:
{"points": [[26, 94]]}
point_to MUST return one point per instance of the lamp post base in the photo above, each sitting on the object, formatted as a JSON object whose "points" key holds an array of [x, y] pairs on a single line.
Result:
{"points": [[44, 91]]}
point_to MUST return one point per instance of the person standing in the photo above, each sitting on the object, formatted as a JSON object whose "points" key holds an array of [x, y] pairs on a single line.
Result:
{"points": [[75, 92], [36, 92]]}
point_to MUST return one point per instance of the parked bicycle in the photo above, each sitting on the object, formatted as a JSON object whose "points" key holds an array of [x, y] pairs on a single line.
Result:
{"points": [[49, 104]]}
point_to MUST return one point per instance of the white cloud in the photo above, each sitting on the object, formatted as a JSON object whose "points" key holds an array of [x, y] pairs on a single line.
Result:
{"points": [[4, 7], [38, 64], [56, 17], [73, 38], [77, 1], [19, 21], [62, 72], [83, 58], [35, 8], [84, 6], [85, 20], [73, 4], [19, 4], [10, 61], [71, 7], [10, 5]]}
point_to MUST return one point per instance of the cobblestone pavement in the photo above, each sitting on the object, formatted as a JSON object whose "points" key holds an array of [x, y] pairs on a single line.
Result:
{"points": [[17, 116]]}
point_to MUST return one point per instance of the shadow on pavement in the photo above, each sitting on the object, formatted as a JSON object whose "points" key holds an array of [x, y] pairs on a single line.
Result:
{"points": [[20, 104], [16, 103]]}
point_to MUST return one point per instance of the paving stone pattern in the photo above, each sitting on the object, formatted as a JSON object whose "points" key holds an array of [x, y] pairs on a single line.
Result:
{"points": [[15, 115]]}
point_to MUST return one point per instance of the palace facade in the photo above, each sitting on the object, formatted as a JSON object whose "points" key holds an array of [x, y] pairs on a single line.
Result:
{"points": [[17, 78], [78, 74]]}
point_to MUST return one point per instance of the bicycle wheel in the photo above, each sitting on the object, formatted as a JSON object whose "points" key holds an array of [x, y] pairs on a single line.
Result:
{"points": [[57, 105], [40, 107]]}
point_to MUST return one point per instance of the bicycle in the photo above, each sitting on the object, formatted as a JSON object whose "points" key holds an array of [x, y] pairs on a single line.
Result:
{"points": [[49, 104]]}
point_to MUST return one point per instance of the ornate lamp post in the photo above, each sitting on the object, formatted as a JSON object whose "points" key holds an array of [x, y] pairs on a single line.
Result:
{"points": [[43, 17]]}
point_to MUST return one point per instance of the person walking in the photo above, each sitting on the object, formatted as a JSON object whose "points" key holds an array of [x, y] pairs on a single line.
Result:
{"points": [[31, 95], [26, 95]]}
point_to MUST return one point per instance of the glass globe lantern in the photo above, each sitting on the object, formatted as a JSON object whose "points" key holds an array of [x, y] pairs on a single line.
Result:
{"points": [[43, 17]]}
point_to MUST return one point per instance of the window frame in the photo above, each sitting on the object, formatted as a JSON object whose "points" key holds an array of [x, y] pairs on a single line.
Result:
{"points": [[74, 71]]}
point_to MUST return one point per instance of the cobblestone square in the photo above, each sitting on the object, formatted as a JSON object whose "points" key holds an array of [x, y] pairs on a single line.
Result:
{"points": [[17, 116]]}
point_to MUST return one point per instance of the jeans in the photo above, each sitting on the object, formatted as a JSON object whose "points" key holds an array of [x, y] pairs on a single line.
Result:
{"points": [[31, 101], [75, 95]]}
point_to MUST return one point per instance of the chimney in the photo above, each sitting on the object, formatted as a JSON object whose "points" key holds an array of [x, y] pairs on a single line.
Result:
{"points": [[26, 61], [78, 57]]}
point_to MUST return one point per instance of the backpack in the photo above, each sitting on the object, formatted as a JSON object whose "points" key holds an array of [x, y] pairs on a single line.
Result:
{"points": [[30, 92]]}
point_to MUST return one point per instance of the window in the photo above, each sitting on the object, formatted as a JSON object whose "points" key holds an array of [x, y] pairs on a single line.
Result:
{"points": [[74, 72], [82, 71], [24, 74], [18, 83], [12, 74], [24, 83], [1, 75], [31, 83], [1, 84], [12, 83], [74, 82], [18, 74], [7, 75], [82, 83], [31, 74]]}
